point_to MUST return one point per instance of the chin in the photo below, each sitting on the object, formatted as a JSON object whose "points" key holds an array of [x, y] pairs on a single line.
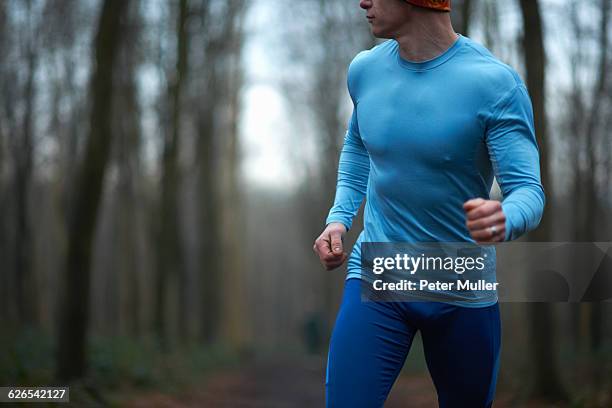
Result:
{"points": [[379, 32]]}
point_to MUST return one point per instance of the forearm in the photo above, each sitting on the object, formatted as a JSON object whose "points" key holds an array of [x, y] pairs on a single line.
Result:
{"points": [[516, 161], [523, 209], [353, 173]]}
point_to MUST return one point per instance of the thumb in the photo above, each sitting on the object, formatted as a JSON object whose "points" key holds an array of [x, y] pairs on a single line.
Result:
{"points": [[336, 243]]}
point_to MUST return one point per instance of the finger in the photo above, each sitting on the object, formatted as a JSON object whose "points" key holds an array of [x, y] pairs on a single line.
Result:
{"points": [[486, 234], [331, 257], [498, 237], [322, 246], [473, 203], [484, 210], [323, 250], [336, 263], [336, 242], [481, 223]]}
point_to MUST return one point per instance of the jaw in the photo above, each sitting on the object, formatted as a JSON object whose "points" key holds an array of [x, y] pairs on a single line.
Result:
{"points": [[380, 32]]}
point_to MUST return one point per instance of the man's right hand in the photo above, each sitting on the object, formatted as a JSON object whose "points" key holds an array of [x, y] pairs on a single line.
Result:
{"points": [[328, 246]]}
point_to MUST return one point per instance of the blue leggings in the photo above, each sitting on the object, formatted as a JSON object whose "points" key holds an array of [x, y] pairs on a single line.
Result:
{"points": [[371, 340]]}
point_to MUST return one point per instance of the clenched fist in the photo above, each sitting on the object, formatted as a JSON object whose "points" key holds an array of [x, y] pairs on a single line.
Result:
{"points": [[485, 220], [329, 247]]}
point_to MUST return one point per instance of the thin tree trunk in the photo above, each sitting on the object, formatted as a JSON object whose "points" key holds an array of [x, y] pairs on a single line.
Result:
{"points": [[171, 271], [466, 17], [209, 211], [26, 286], [594, 214], [4, 272], [576, 126], [209, 238], [71, 356], [234, 325], [547, 381], [128, 158], [461, 15]]}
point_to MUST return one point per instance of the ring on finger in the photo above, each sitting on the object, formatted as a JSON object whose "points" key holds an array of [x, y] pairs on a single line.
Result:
{"points": [[493, 230]]}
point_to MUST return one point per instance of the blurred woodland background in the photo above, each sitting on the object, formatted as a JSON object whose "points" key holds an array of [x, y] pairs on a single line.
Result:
{"points": [[165, 166]]}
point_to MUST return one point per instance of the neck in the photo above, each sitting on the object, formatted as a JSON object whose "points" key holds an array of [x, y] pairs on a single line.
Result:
{"points": [[427, 35]]}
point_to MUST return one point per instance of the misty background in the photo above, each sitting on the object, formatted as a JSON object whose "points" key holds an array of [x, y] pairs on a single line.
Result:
{"points": [[165, 166]]}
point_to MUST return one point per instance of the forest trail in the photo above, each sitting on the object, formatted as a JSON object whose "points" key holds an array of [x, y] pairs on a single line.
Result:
{"points": [[284, 383], [281, 383]]}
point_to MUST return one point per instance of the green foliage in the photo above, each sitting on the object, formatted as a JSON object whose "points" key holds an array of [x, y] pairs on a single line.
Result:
{"points": [[26, 357], [115, 363], [116, 360]]}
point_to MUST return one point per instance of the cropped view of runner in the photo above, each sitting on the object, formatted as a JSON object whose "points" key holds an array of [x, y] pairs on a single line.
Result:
{"points": [[299, 204]]}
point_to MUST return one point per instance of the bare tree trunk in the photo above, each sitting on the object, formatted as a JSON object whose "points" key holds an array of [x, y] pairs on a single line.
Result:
{"points": [[466, 13], [4, 272], [171, 268], [26, 285], [9, 126], [71, 356], [576, 125], [234, 326], [4, 288], [461, 18], [210, 272], [128, 159], [594, 214], [547, 382]]}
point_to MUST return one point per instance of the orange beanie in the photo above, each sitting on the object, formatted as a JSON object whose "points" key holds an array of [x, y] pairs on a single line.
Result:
{"points": [[443, 5]]}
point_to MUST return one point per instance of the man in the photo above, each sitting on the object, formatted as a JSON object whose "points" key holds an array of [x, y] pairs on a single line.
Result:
{"points": [[435, 117]]}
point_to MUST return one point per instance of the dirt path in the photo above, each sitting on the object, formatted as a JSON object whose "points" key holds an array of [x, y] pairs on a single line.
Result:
{"points": [[283, 384], [278, 384]]}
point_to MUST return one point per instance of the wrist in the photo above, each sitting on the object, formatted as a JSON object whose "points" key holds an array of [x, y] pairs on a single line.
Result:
{"points": [[345, 225]]}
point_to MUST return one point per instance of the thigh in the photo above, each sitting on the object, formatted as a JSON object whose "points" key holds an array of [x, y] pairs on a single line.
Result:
{"points": [[367, 350], [462, 347]]}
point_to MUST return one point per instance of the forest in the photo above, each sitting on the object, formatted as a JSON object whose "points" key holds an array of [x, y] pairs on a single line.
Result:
{"points": [[165, 166]]}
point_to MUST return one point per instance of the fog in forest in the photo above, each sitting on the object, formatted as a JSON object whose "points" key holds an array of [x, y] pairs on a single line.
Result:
{"points": [[165, 166]]}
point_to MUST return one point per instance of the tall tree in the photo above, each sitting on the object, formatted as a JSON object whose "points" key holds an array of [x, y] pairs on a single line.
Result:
{"points": [[208, 188], [5, 273], [593, 125], [547, 382], [23, 154], [234, 327], [71, 355], [127, 110], [171, 267]]}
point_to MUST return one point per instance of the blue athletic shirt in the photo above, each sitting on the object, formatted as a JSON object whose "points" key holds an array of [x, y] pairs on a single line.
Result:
{"points": [[424, 137]]}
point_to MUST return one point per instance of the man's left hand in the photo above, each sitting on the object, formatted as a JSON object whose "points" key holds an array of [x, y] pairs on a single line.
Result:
{"points": [[485, 220]]}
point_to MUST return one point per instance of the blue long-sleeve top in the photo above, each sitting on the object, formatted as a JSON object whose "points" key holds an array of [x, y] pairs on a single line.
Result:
{"points": [[424, 137]]}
